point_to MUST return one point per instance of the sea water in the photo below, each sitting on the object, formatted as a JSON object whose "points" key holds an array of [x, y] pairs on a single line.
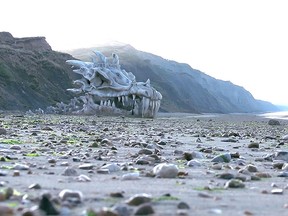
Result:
{"points": [[276, 115]]}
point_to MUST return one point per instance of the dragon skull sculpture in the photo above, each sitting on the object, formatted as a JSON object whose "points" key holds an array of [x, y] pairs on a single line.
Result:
{"points": [[108, 88]]}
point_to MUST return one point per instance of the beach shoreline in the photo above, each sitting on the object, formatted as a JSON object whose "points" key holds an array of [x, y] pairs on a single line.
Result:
{"points": [[46, 145]]}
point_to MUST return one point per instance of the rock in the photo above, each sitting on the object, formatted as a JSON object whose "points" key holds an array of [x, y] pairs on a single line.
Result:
{"points": [[139, 199], [15, 147], [103, 171], [279, 165], [193, 163], [20, 167], [117, 194], [142, 161], [283, 174], [35, 186], [70, 172], [285, 138], [71, 195], [122, 209], [263, 175], [281, 155], [197, 155], [226, 175], [52, 160], [183, 205], [145, 151], [47, 206], [165, 170], [273, 122], [187, 156], [3, 131], [83, 178], [234, 183], [249, 168], [47, 128], [277, 191], [131, 176], [226, 157], [6, 211], [86, 166], [3, 173], [16, 173], [111, 167], [144, 209], [253, 145], [233, 140]]}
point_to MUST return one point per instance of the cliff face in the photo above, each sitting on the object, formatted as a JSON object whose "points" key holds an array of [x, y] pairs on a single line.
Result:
{"points": [[32, 75], [32, 43]]}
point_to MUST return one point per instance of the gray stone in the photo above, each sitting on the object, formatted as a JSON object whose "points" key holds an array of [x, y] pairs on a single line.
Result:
{"points": [[234, 183], [111, 167], [193, 163], [70, 172], [281, 155], [139, 199], [226, 157], [273, 122]]}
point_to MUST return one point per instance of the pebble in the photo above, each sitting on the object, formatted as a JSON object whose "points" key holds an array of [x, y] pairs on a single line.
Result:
{"points": [[35, 186], [3, 173], [3, 131], [83, 178], [226, 175], [6, 211], [144, 209], [226, 157], [285, 138], [103, 171], [145, 151], [234, 183], [250, 168], [283, 174], [165, 170], [70, 172], [16, 173], [281, 155], [71, 195], [20, 167], [86, 166], [193, 163], [111, 167], [253, 145], [139, 199], [47, 206], [277, 191], [273, 122], [122, 209], [183, 205], [131, 176], [15, 147]]}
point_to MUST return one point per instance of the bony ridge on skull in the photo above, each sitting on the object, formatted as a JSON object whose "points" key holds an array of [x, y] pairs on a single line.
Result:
{"points": [[110, 89]]}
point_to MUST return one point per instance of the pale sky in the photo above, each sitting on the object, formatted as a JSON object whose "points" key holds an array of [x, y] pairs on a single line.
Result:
{"points": [[243, 41]]}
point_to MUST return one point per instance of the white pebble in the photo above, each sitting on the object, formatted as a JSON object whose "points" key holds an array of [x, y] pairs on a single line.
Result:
{"points": [[165, 170]]}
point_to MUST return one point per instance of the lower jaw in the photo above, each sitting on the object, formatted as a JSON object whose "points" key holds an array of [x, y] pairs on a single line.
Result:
{"points": [[109, 108]]}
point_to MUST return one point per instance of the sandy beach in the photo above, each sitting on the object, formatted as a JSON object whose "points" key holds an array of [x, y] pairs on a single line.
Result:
{"points": [[95, 165]]}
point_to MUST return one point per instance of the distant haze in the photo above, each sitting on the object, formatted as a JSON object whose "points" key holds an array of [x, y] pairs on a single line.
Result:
{"points": [[241, 41]]}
